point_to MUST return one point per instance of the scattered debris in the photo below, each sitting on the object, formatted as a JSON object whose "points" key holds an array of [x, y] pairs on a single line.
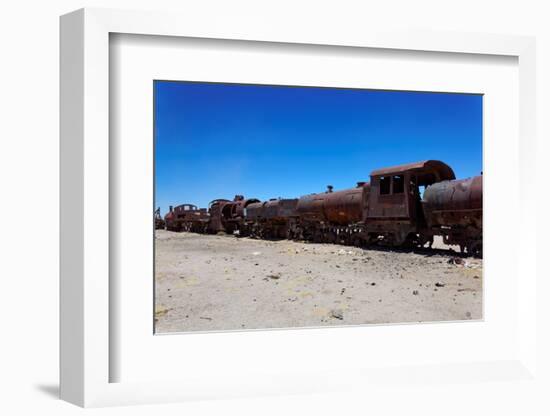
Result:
{"points": [[205, 318], [440, 284], [274, 276], [415, 292], [342, 252], [455, 260], [337, 313]]}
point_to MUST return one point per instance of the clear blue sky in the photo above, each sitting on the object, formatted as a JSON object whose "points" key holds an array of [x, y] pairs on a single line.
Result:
{"points": [[217, 140]]}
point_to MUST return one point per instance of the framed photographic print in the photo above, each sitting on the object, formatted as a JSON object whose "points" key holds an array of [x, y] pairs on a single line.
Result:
{"points": [[237, 206], [256, 261]]}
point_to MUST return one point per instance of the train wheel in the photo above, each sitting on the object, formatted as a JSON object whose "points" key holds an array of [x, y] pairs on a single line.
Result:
{"points": [[356, 240], [411, 241], [476, 249], [330, 237]]}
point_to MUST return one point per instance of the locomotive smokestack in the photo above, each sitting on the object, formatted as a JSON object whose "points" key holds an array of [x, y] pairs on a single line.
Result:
{"points": [[329, 188], [171, 208]]}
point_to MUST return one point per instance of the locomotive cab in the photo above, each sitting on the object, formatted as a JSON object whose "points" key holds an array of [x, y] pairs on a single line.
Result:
{"points": [[394, 211]]}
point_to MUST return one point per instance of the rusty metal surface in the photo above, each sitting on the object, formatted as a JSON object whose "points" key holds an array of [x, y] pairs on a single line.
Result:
{"points": [[338, 207], [238, 207], [228, 215], [270, 219], [344, 207], [215, 208], [428, 171], [457, 202], [184, 209], [395, 190], [391, 206], [186, 217], [254, 211], [454, 210], [279, 209]]}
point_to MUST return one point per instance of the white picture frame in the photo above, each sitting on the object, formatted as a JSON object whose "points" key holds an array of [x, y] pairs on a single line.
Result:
{"points": [[86, 355]]}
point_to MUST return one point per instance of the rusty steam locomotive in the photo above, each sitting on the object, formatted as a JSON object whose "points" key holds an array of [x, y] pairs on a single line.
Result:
{"points": [[390, 210]]}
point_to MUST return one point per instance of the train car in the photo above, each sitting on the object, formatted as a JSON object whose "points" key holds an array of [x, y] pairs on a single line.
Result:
{"points": [[228, 216], [270, 219], [394, 214], [215, 209], [454, 210], [330, 216], [159, 221], [186, 217], [253, 220]]}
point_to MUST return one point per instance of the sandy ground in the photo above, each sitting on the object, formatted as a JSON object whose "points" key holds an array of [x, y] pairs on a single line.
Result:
{"points": [[212, 283]]}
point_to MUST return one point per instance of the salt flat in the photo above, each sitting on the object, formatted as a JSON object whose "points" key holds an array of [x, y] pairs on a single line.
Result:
{"points": [[221, 282]]}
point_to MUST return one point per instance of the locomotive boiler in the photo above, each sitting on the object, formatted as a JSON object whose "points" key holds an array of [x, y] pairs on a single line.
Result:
{"points": [[330, 216], [270, 219]]}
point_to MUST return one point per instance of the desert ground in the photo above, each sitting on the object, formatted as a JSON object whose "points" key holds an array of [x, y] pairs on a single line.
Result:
{"points": [[221, 282]]}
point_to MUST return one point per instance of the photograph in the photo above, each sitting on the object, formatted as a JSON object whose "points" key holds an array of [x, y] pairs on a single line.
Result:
{"points": [[283, 206]]}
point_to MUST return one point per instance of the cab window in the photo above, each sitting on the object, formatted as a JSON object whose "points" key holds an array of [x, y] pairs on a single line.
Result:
{"points": [[398, 184], [385, 182]]}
